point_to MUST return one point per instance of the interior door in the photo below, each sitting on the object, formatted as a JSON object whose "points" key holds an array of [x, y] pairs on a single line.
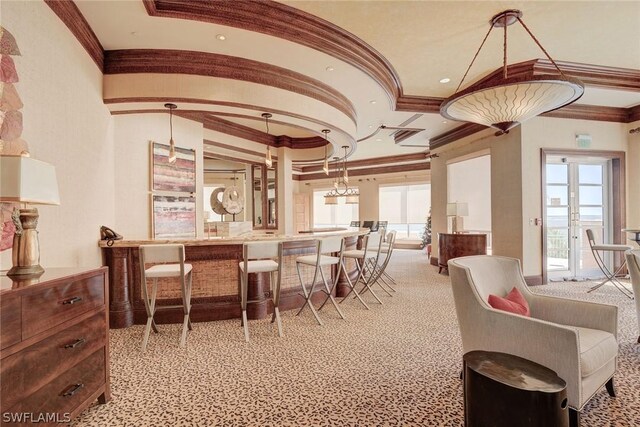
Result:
{"points": [[301, 211], [577, 192]]}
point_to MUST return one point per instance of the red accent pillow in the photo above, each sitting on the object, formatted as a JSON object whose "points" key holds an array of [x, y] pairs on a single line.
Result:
{"points": [[514, 302]]}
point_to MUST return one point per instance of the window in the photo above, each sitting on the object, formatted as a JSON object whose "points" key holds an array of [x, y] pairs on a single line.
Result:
{"points": [[339, 215], [469, 181], [406, 208]]}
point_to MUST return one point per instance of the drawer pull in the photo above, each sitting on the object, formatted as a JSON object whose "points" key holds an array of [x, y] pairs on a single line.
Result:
{"points": [[72, 390], [71, 300], [76, 343]]}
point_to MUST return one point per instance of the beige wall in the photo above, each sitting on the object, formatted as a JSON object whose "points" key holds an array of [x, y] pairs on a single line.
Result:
{"points": [[506, 188], [67, 125], [132, 135], [544, 132], [516, 179], [633, 176]]}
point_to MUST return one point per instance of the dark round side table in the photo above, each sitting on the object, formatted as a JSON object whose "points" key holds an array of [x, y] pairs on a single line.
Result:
{"points": [[505, 390]]}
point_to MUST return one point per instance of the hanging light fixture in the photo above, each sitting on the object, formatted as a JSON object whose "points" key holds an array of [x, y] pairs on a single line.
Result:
{"points": [[341, 184], [267, 161], [509, 101], [325, 166], [172, 146]]}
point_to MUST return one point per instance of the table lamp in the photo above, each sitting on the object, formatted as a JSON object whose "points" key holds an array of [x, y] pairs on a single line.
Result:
{"points": [[457, 210], [27, 181]]}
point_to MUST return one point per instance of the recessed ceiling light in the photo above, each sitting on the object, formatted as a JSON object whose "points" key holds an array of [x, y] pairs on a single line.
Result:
{"points": [[370, 126], [445, 80], [329, 68], [378, 139], [444, 121], [221, 37], [373, 101]]}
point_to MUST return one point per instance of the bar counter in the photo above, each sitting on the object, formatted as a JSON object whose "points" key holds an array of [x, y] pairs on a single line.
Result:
{"points": [[216, 277]]}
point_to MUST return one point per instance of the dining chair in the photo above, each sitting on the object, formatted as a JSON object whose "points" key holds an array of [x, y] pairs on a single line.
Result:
{"points": [[611, 276]]}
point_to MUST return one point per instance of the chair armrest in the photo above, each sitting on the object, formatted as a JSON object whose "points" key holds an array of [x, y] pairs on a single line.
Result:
{"points": [[564, 311]]}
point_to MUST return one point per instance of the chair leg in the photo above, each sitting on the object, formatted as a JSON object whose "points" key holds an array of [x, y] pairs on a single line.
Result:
{"points": [[611, 388], [276, 303], [333, 301], [307, 295], [574, 418], [151, 308], [243, 304], [352, 287]]}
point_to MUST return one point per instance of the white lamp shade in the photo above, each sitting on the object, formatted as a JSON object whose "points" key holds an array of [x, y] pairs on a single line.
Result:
{"points": [[352, 199], [511, 101], [458, 209], [28, 180], [330, 200]]}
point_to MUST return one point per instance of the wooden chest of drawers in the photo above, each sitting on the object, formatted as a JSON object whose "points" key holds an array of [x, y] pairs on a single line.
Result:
{"points": [[54, 345]]}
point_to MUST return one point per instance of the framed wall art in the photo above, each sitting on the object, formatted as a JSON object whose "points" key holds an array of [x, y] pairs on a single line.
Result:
{"points": [[174, 217], [179, 176]]}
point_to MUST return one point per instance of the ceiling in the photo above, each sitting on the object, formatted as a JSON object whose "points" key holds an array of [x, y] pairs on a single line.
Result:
{"points": [[423, 41]]}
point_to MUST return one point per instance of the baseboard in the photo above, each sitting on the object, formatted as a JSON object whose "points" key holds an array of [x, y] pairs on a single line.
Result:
{"points": [[533, 280], [433, 261]]}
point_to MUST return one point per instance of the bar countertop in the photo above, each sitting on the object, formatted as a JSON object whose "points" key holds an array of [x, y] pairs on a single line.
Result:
{"points": [[238, 240]]}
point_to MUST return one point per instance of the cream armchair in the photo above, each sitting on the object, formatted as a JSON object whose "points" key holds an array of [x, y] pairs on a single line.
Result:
{"points": [[633, 263], [578, 340]]}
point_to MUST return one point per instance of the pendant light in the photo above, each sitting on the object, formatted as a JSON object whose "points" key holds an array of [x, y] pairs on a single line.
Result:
{"points": [[346, 174], [325, 167], [505, 102], [268, 161], [172, 146]]}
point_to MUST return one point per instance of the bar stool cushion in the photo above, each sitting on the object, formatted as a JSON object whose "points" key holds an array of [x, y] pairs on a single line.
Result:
{"points": [[166, 270], [597, 348], [611, 248], [359, 253], [324, 260], [260, 266]]}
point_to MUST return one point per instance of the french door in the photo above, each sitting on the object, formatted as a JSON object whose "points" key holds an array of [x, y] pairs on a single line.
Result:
{"points": [[577, 195]]}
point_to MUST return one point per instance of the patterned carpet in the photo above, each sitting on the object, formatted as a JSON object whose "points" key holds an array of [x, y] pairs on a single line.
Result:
{"points": [[395, 365]]}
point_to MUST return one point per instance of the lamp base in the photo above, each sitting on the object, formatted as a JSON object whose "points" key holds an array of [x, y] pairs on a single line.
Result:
{"points": [[30, 271], [26, 250]]}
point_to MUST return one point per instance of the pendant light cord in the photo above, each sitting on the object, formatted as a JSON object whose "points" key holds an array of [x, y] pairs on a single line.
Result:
{"points": [[474, 58], [171, 121], [540, 46], [504, 47]]}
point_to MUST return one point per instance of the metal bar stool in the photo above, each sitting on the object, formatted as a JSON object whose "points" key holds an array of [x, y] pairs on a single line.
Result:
{"points": [[362, 257], [610, 276], [258, 258], [327, 245], [380, 270], [169, 260]]}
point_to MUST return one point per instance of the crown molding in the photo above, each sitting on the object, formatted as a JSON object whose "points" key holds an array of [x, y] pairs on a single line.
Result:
{"points": [[71, 16], [634, 114], [375, 161], [591, 75], [286, 22], [380, 170], [167, 61]]}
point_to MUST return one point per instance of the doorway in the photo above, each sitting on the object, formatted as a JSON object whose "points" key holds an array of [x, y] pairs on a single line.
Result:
{"points": [[580, 192]]}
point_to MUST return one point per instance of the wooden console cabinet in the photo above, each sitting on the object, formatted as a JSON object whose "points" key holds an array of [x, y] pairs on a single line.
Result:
{"points": [[54, 345], [455, 245]]}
